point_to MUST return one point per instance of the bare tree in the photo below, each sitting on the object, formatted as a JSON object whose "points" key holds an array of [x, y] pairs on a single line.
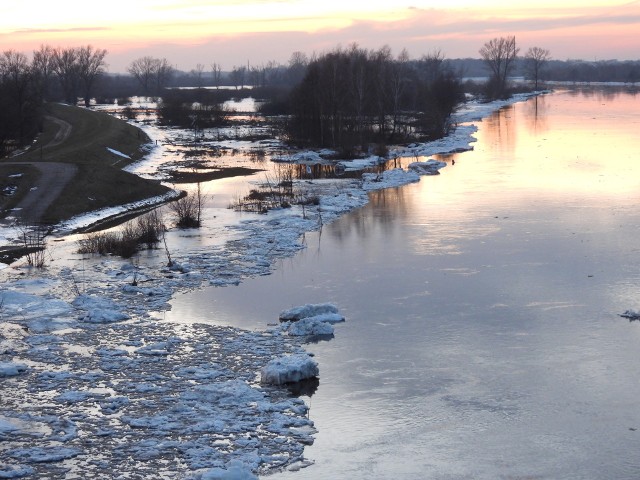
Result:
{"points": [[398, 79], [499, 54], [66, 68], [144, 69], [152, 73], [164, 72], [216, 74], [91, 65], [196, 73], [536, 58], [238, 75], [42, 67], [298, 64], [431, 65], [15, 75]]}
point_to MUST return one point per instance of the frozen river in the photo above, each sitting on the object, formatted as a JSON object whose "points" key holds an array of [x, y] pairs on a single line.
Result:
{"points": [[483, 338]]}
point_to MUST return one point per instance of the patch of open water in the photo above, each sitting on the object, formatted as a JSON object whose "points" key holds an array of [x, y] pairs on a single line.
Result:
{"points": [[482, 336]]}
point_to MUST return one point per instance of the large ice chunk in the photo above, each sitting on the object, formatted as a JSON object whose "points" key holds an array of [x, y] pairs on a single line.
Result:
{"points": [[289, 368], [11, 369], [309, 310], [235, 470], [310, 326], [99, 309]]}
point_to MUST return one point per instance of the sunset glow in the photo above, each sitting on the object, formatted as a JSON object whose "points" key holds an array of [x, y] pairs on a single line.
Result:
{"points": [[201, 31]]}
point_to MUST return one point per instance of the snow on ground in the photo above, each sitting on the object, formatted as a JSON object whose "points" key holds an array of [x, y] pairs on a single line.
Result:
{"points": [[118, 153], [92, 379]]}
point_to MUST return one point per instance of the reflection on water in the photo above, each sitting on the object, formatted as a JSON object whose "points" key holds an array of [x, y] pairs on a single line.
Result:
{"points": [[482, 337]]}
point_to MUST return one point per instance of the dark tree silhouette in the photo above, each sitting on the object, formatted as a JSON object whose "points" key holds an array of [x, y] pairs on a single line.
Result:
{"points": [[91, 65], [499, 54], [535, 60], [153, 74]]}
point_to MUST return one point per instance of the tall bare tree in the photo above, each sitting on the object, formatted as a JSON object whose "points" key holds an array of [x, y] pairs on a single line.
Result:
{"points": [[216, 74], [499, 54], [42, 67], [91, 65], [143, 69], [15, 76], [197, 74], [152, 73], [163, 73], [238, 76], [536, 58], [66, 68], [298, 64]]}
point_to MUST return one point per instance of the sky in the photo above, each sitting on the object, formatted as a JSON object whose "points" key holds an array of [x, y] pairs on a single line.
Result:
{"points": [[234, 33]]}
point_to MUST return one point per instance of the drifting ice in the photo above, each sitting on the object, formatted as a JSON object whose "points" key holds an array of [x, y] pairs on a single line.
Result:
{"points": [[309, 310], [288, 369]]}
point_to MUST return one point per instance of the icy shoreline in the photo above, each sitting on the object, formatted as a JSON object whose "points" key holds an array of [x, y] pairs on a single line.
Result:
{"points": [[94, 381]]}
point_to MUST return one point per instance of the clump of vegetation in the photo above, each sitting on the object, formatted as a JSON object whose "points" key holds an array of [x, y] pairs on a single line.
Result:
{"points": [[147, 230], [193, 109], [188, 210], [349, 99], [34, 245], [274, 192]]}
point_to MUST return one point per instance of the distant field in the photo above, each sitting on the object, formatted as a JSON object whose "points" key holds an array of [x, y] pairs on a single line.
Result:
{"points": [[99, 181]]}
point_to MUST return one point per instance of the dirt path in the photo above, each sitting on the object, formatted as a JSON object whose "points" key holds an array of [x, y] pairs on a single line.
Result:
{"points": [[62, 134], [54, 176]]}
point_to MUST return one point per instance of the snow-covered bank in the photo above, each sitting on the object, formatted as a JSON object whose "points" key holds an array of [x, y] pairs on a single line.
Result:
{"points": [[94, 380]]}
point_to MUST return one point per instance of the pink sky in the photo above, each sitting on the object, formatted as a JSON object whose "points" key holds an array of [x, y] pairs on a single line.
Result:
{"points": [[233, 33]]}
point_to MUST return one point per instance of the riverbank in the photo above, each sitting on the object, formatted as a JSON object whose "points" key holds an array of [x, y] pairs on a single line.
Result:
{"points": [[109, 383], [77, 160]]}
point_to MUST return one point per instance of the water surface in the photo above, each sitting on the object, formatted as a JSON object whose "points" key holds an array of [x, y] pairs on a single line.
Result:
{"points": [[482, 336]]}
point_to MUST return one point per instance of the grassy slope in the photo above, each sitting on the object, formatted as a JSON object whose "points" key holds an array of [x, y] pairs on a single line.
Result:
{"points": [[99, 182]]}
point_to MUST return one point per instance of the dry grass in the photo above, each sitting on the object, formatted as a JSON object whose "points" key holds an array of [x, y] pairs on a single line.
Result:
{"points": [[146, 231]]}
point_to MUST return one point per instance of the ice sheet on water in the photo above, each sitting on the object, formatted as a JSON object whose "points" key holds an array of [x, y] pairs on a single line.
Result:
{"points": [[11, 369], [26, 306], [99, 309], [15, 471], [388, 179], [430, 167], [235, 470], [44, 454]]}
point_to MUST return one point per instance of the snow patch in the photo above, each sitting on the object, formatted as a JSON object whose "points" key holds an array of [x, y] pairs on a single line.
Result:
{"points": [[120, 154]]}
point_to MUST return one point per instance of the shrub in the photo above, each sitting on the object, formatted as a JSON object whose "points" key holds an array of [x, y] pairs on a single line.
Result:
{"points": [[145, 230], [188, 210]]}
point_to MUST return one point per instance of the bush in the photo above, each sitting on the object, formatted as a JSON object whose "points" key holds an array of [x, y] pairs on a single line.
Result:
{"points": [[187, 210], [145, 230]]}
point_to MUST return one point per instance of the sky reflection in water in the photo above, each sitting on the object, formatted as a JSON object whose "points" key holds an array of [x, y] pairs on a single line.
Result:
{"points": [[482, 336]]}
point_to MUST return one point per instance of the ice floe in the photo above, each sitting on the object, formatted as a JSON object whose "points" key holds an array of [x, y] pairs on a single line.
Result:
{"points": [[289, 368]]}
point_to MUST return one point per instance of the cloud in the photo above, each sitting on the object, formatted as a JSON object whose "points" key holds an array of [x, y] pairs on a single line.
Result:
{"points": [[38, 31]]}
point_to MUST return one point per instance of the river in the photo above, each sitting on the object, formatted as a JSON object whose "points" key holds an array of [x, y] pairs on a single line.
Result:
{"points": [[483, 338]]}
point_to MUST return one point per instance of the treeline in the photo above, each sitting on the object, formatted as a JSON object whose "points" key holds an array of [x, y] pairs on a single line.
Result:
{"points": [[52, 74], [351, 98], [626, 71]]}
